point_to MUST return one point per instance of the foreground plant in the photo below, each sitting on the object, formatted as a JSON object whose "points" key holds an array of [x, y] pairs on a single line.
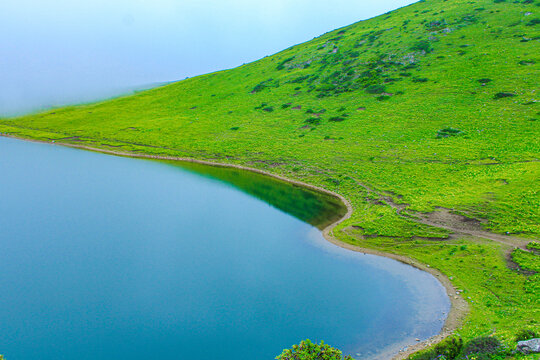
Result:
{"points": [[307, 350]]}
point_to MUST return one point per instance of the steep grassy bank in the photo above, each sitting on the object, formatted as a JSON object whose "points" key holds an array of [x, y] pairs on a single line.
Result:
{"points": [[432, 105]]}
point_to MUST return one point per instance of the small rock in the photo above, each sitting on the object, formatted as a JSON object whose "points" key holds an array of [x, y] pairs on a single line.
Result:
{"points": [[529, 346]]}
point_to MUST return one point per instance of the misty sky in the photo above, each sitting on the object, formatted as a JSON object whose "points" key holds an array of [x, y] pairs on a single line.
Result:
{"points": [[55, 52]]}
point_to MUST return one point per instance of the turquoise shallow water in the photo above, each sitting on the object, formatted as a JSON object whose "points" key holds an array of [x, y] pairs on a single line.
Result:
{"points": [[106, 257]]}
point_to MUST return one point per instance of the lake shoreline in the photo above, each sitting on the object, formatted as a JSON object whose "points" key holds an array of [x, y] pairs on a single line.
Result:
{"points": [[458, 308]]}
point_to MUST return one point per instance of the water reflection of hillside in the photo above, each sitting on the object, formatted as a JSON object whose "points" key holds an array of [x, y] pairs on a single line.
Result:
{"points": [[310, 206]]}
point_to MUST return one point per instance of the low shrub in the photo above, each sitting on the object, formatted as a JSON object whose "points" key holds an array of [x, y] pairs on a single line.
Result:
{"points": [[425, 355], [281, 65], [448, 132], [375, 89], [526, 334], [258, 88], [312, 120], [285, 106], [501, 95], [234, 128], [299, 79], [268, 109], [449, 348], [482, 345], [422, 45], [436, 25], [527, 62], [270, 83], [336, 119], [420, 80]]}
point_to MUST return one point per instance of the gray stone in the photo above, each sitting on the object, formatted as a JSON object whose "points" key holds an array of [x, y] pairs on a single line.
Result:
{"points": [[529, 346]]}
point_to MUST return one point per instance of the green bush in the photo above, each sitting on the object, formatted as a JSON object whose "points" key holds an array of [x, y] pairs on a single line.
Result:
{"points": [[375, 89], [299, 79], [449, 348], [258, 88], [502, 95], [436, 25], [483, 345], [281, 65], [424, 355], [448, 132], [307, 350], [422, 45], [265, 84], [526, 334], [312, 120], [336, 119]]}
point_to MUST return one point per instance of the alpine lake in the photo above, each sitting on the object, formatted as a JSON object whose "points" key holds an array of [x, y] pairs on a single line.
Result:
{"points": [[112, 258]]}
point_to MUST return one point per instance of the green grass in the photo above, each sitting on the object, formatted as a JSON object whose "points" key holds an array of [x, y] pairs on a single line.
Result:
{"points": [[435, 103]]}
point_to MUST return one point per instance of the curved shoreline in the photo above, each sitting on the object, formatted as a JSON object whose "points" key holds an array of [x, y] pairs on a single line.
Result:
{"points": [[458, 306]]}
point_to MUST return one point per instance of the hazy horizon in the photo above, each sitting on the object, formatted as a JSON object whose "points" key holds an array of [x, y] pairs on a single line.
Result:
{"points": [[64, 52]]}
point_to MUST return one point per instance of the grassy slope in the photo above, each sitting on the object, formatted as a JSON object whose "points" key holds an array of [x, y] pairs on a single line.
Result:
{"points": [[429, 57]]}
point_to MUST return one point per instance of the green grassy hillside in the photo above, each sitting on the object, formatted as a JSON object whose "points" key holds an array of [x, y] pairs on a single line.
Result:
{"points": [[432, 105]]}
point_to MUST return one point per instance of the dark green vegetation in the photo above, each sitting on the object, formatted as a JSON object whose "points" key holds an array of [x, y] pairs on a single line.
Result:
{"points": [[480, 348], [310, 206], [432, 105], [307, 350]]}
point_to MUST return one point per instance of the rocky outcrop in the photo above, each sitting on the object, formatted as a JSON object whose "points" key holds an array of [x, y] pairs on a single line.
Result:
{"points": [[529, 346]]}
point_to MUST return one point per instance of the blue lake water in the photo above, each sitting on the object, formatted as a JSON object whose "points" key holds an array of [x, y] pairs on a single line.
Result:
{"points": [[106, 257]]}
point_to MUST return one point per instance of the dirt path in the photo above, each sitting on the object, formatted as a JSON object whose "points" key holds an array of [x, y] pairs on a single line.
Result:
{"points": [[449, 220]]}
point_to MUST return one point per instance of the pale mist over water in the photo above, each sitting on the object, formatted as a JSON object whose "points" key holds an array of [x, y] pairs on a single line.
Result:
{"points": [[58, 52]]}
